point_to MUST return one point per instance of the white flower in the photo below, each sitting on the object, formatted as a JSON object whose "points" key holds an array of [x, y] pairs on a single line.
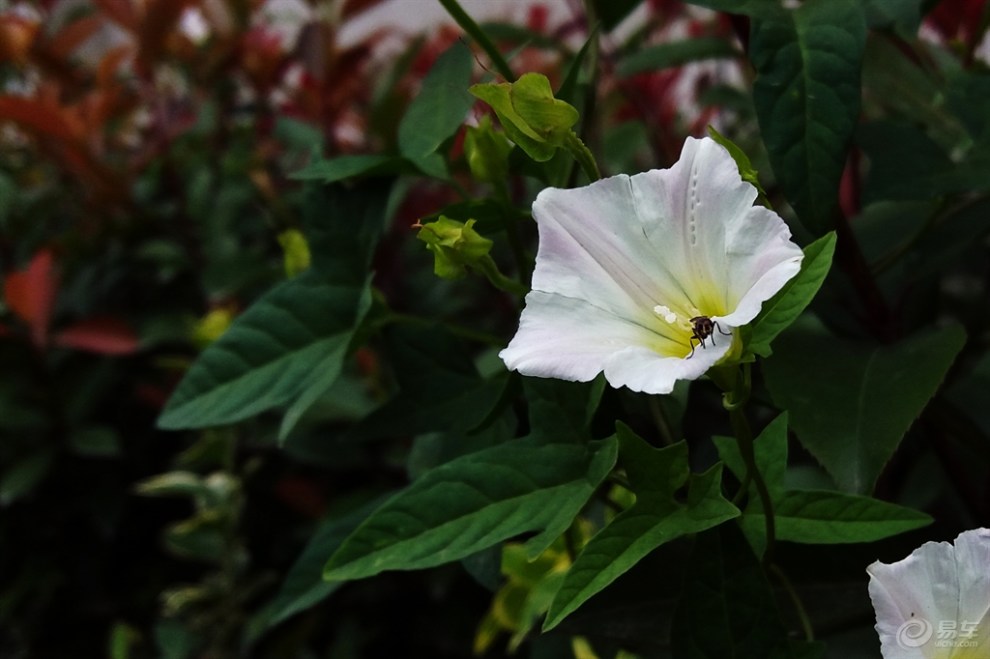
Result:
{"points": [[625, 264], [935, 604]]}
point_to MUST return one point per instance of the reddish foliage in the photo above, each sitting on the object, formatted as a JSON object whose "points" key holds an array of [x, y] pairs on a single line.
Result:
{"points": [[102, 335], [957, 19], [16, 36], [30, 294]]}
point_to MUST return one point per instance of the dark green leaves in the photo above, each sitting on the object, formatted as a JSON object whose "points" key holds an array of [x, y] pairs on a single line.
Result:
{"points": [[289, 347], [290, 341], [727, 610], [675, 53], [784, 308], [303, 586], [656, 517], [474, 502], [432, 118], [438, 110], [850, 404], [807, 99], [810, 516], [753, 8]]}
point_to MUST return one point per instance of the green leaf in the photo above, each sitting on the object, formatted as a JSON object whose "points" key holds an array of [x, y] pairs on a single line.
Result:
{"points": [[675, 53], [270, 355], [343, 226], [289, 346], [656, 517], [576, 79], [439, 387], [902, 15], [304, 586], [727, 609], [904, 162], [561, 411], [807, 97], [752, 8], [346, 167], [850, 404], [474, 502], [613, 12], [24, 475], [440, 107], [743, 163], [829, 518], [770, 452], [810, 516], [784, 308]]}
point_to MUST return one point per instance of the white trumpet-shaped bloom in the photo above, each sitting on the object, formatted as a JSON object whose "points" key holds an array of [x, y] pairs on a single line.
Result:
{"points": [[626, 263], [935, 604]]}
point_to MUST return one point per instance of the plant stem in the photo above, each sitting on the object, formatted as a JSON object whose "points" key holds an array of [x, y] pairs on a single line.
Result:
{"points": [[734, 400], [475, 32], [583, 155], [660, 421], [809, 632], [487, 267], [523, 261]]}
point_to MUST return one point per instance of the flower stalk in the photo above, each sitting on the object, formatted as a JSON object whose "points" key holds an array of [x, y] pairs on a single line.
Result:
{"points": [[582, 154]]}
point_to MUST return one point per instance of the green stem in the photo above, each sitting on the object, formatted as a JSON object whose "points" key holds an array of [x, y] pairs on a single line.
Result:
{"points": [[734, 400], [487, 267], [523, 262], [475, 32], [582, 154], [740, 425], [809, 632], [660, 421]]}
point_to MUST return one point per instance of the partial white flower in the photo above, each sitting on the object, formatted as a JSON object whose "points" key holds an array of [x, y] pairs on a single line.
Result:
{"points": [[935, 604], [626, 263]]}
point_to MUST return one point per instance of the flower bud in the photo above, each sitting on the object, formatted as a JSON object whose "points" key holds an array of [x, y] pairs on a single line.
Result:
{"points": [[487, 152], [296, 252], [455, 246], [529, 114]]}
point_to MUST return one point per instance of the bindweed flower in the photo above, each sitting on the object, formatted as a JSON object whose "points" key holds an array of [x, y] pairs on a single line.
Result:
{"points": [[935, 604], [630, 269]]}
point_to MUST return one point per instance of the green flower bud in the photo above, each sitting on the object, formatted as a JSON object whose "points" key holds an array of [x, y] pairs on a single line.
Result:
{"points": [[455, 246], [487, 152], [529, 114], [296, 252]]}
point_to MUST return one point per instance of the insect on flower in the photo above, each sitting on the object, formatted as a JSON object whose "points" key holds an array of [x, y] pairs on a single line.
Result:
{"points": [[703, 328], [633, 272]]}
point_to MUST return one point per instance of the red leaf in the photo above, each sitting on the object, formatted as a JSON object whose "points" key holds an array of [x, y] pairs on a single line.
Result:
{"points": [[30, 294], [103, 335]]}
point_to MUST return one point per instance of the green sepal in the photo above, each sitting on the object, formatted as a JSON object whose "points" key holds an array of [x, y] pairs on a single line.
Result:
{"points": [[530, 115]]}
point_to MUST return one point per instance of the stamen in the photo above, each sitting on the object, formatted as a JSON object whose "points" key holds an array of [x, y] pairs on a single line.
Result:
{"points": [[665, 313]]}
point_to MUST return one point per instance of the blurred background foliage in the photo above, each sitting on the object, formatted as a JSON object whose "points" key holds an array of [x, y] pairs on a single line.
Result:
{"points": [[149, 157]]}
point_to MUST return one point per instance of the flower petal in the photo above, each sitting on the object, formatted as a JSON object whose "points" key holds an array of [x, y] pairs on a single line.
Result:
{"points": [[570, 339], [592, 248], [760, 259], [937, 584], [906, 601], [973, 561], [642, 369], [688, 212]]}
